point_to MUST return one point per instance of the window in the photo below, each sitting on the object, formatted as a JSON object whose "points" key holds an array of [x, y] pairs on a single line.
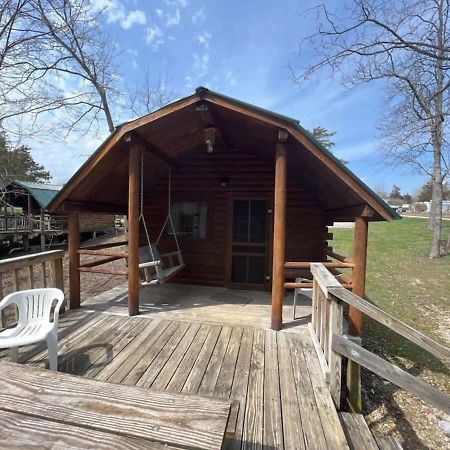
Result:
{"points": [[190, 219]]}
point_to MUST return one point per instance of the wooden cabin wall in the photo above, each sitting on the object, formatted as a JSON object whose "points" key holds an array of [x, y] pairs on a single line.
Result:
{"points": [[96, 222], [198, 179]]}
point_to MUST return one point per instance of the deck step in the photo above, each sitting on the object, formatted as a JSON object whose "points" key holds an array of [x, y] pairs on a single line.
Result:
{"points": [[360, 437]]}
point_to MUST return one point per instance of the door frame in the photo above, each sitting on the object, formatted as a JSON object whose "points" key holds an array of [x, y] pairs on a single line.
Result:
{"points": [[268, 197]]}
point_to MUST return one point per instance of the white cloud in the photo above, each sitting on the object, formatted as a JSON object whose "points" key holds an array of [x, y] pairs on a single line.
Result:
{"points": [[134, 64], [154, 36], [204, 38], [115, 11], [182, 3], [173, 19], [159, 12], [134, 17], [199, 15], [230, 78]]}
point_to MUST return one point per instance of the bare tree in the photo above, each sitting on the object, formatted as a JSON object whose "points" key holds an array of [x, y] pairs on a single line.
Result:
{"points": [[80, 51], [148, 94], [406, 45]]}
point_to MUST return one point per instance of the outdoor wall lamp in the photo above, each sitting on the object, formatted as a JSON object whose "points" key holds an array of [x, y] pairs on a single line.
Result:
{"points": [[210, 139], [224, 181]]}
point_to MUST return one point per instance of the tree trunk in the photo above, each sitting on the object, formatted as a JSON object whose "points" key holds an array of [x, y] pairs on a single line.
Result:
{"points": [[436, 210], [436, 197]]}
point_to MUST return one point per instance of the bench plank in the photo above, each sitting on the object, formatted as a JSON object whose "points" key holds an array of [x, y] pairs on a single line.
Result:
{"points": [[188, 421]]}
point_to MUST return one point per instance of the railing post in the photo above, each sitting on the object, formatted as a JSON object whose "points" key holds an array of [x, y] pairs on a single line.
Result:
{"points": [[279, 232], [355, 316], [335, 359], [57, 274], [74, 259]]}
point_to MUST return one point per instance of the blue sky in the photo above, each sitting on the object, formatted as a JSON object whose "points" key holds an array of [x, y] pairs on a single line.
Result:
{"points": [[242, 49]]}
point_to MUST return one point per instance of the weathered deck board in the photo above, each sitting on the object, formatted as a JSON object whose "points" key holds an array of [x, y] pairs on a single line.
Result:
{"points": [[283, 402], [178, 420]]}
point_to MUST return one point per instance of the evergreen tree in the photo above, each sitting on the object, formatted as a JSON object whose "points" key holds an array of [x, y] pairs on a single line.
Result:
{"points": [[324, 137], [18, 163]]}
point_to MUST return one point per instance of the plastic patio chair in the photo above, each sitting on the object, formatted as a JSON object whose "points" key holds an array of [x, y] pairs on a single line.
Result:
{"points": [[33, 324]]}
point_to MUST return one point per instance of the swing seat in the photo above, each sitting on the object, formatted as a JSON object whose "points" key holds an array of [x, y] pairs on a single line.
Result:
{"points": [[159, 268]]}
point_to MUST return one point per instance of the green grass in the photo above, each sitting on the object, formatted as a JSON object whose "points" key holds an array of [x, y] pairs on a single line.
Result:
{"points": [[404, 282]]}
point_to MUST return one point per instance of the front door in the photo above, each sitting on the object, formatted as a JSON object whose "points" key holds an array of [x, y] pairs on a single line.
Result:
{"points": [[249, 235]]}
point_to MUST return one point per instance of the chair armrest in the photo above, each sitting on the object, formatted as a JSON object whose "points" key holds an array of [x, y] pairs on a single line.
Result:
{"points": [[58, 305], [149, 264]]}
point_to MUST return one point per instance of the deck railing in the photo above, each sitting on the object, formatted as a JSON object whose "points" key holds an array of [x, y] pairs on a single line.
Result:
{"points": [[331, 344], [14, 223], [43, 269]]}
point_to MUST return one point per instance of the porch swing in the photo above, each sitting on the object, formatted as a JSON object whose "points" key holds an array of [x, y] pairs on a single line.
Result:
{"points": [[158, 268]]}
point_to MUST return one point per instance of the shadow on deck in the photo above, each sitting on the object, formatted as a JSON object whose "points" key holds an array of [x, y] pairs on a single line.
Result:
{"points": [[284, 402], [213, 305]]}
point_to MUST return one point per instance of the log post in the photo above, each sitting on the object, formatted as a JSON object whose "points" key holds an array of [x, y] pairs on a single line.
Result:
{"points": [[355, 316], [279, 232], [74, 259], [42, 230], [133, 229]]}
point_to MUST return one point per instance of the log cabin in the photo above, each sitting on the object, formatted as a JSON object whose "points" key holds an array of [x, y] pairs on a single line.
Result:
{"points": [[250, 194]]}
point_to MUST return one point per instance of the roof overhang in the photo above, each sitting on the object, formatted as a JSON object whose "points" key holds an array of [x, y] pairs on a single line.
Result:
{"points": [[172, 132]]}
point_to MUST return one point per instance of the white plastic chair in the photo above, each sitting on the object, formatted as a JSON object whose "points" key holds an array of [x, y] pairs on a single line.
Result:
{"points": [[33, 325]]}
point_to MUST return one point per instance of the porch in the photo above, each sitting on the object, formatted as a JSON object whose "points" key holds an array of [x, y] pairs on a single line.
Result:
{"points": [[283, 400], [206, 304]]}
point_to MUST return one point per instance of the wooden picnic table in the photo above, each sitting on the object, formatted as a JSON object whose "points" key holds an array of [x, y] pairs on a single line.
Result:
{"points": [[43, 409]]}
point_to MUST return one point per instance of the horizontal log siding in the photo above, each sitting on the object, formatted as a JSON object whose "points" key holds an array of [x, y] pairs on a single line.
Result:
{"points": [[199, 180], [96, 222]]}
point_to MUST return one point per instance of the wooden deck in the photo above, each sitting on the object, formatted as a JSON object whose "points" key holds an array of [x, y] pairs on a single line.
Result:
{"points": [[212, 305], [275, 376]]}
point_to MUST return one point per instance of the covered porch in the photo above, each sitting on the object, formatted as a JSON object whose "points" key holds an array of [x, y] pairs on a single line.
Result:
{"points": [[250, 195], [205, 304]]}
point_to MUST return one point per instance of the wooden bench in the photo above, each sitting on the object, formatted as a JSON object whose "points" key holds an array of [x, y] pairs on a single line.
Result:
{"points": [[52, 408]]}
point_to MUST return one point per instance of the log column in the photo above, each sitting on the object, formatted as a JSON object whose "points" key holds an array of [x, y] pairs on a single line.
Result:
{"points": [[133, 229], [279, 232], [355, 316], [74, 259]]}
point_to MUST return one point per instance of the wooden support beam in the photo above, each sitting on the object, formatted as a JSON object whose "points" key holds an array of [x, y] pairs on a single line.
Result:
{"points": [[42, 229], [355, 316], [307, 265], [105, 245], [104, 252], [133, 229], [135, 139], [101, 261], [279, 236], [104, 271], [74, 259]]}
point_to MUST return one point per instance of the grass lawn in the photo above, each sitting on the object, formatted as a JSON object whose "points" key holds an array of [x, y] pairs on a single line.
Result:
{"points": [[404, 282]]}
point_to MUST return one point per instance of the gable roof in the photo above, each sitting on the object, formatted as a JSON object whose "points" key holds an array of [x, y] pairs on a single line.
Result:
{"points": [[43, 193], [259, 115]]}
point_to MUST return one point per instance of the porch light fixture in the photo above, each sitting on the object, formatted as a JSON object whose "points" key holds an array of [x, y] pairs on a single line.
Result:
{"points": [[210, 139], [224, 181]]}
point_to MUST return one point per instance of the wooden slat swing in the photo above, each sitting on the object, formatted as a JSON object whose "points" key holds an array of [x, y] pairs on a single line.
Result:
{"points": [[158, 268]]}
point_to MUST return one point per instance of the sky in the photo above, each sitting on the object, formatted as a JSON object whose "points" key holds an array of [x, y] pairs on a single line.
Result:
{"points": [[247, 50]]}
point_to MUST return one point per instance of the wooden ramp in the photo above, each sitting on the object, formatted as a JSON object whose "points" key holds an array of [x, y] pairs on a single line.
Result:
{"points": [[275, 376]]}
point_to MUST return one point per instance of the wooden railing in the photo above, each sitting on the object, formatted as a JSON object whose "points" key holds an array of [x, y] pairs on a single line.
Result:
{"points": [[43, 269], [331, 344], [14, 223], [333, 266]]}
